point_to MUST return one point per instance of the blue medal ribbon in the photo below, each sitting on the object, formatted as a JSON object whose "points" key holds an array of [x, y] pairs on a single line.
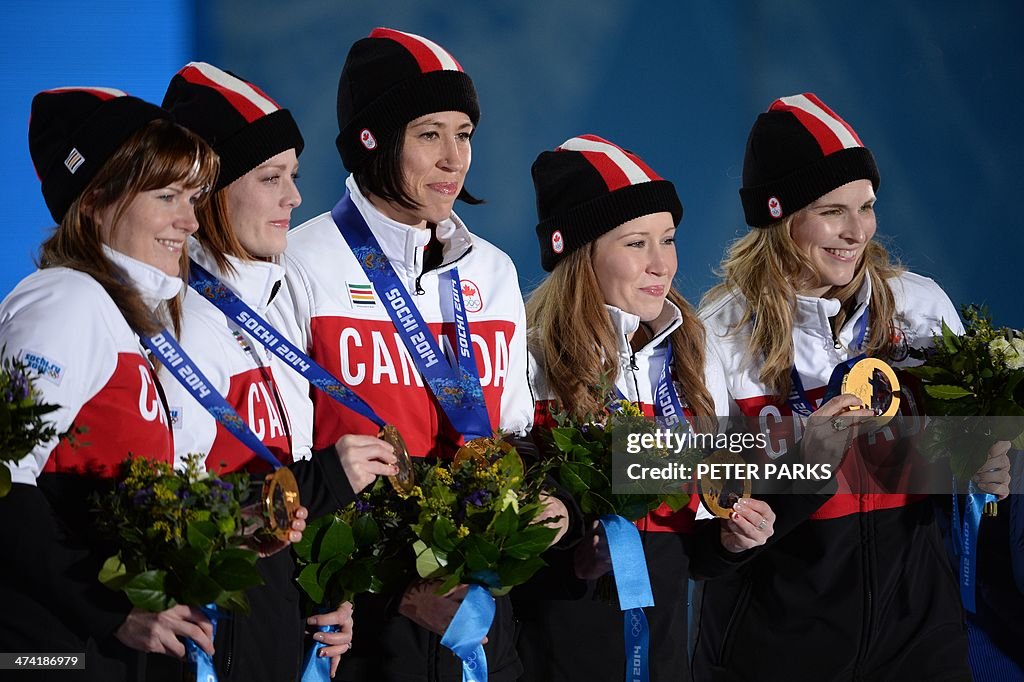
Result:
{"points": [[965, 540], [235, 309], [668, 408], [629, 568], [797, 397], [181, 367], [456, 388], [469, 626], [316, 668], [200, 661]]}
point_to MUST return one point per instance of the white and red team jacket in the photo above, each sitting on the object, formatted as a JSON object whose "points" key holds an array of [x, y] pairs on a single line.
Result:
{"points": [[860, 576], [87, 360], [347, 329], [274, 404], [63, 324], [637, 382]]}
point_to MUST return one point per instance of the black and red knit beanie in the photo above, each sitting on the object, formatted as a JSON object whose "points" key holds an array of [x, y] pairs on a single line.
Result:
{"points": [[242, 124], [588, 186], [389, 79], [798, 151], [73, 131]]}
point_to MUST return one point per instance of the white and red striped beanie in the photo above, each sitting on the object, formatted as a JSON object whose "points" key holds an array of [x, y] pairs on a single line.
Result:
{"points": [[389, 79], [798, 151], [73, 131], [588, 186], [242, 124]]}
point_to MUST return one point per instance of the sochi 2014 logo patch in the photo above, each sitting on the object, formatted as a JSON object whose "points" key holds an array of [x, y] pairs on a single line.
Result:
{"points": [[367, 138], [43, 366], [175, 415], [471, 297], [557, 243], [774, 207]]}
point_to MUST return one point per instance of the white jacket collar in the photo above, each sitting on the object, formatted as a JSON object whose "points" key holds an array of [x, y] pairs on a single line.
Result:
{"points": [[153, 284], [253, 281], [813, 314], [403, 244], [625, 324]]}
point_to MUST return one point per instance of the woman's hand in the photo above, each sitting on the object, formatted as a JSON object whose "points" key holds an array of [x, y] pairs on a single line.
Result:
{"points": [[554, 508], [751, 524], [592, 558], [431, 611], [158, 633], [266, 544], [994, 475], [832, 428], [335, 643], [364, 458]]}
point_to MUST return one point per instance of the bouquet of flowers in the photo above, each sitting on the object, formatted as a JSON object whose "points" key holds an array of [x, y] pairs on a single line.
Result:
{"points": [[967, 377], [583, 464], [365, 547], [476, 520], [21, 417], [180, 534], [471, 520]]}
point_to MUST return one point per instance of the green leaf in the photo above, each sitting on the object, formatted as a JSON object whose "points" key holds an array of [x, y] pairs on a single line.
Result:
{"points": [[235, 574], [947, 392], [564, 438], [201, 535], [518, 572], [676, 502], [146, 591], [307, 580], [199, 588], [235, 602], [1018, 442], [950, 340], [530, 542], [114, 574], [365, 531], [427, 564], [5, 480], [444, 534], [304, 548], [505, 522], [337, 541], [449, 583]]}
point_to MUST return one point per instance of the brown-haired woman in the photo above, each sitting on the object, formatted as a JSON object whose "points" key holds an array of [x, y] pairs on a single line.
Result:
{"points": [[608, 314], [122, 183]]}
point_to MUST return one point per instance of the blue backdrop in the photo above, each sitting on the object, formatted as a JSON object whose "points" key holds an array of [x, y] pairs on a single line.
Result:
{"points": [[933, 88]]}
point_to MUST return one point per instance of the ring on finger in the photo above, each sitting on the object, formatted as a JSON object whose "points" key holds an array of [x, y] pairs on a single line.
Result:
{"points": [[839, 424], [764, 522]]}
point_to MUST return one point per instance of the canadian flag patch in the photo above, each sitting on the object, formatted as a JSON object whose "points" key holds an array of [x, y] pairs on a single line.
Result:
{"points": [[557, 243], [774, 207], [471, 296]]}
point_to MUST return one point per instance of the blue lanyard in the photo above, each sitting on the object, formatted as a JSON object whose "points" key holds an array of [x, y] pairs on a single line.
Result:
{"points": [[667, 405], [965, 540], [471, 624], [235, 309], [632, 582], [181, 367], [797, 397], [456, 388]]}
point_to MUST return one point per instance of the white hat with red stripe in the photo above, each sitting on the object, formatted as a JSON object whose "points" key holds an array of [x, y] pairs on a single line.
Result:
{"points": [[798, 151], [389, 79], [72, 132], [242, 124], [588, 186]]}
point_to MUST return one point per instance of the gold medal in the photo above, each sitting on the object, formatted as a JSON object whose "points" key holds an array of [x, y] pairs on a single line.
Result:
{"points": [[875, 383], [476, 450], [280, 502], [405, 480], [717, 493]]}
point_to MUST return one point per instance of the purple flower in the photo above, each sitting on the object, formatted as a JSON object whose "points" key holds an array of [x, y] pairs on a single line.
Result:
{"points": [[362, 506], [223, 485], [142, 497], [478, 498]]}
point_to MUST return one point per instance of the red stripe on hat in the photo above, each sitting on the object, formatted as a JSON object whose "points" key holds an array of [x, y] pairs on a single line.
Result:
{"points": [[814, 98], [647, 170], [826, 139], [425, 57], [613, 176], [249, 111]]}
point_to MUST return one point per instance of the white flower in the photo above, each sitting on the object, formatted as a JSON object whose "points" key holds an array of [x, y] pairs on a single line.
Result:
{"points": [[510, 499], [1008, 353], [1015, 357]]}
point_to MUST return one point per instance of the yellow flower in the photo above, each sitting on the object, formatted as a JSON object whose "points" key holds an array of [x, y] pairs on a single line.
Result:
{"points": [[443, 476], [462, 531]]}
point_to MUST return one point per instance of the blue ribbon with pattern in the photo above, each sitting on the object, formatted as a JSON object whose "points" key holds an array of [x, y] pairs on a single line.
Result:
{"points": [[632, 582], [198, 659], [456, 388], [469, 626], [965, 540], [238, 311]]}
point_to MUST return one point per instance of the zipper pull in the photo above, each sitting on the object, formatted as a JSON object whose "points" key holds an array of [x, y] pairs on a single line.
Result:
{"points": [[632, 362], [419, 290]]}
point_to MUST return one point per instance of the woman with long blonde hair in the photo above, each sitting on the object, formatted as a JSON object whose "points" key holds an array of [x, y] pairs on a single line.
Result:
{"points": [[861, 589], [604, 325]]}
